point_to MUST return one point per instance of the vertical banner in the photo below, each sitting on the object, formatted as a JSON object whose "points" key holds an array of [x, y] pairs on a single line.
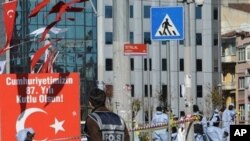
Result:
{"points": [[48, 103], [9, 10]]}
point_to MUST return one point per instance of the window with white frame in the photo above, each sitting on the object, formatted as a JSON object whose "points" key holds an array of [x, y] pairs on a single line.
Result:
{"points": [[248, 52], [241, 54], [241, 82]]}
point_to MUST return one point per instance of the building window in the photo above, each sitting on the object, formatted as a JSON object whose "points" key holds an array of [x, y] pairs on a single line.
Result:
{"points": [[215, 39], [199, 90], [109, 64], [216, 67], [198, 12], [198, 64], [248, 53], [198, 39], [146, 64], [181, 64], [108, 38], [132, 90], [147, 11], [131, 11], [181, 42], [151, 90], [164, 64], [131, 64], [131, 37], [145, 90], [241, 52], [164, 42], [164, 92], [215, 13], [241, 82], [147, 38], [182, 90], [108, 11]]}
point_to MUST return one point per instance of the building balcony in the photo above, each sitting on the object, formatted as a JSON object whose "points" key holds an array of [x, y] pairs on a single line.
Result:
{"points": [[228, 85], [228, 59]]}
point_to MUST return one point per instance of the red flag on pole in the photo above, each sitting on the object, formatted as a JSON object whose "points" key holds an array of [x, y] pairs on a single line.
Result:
{"points": [[9, 14], [38, 7]]}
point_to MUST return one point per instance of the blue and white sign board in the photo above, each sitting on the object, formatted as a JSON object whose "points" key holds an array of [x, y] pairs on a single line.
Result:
{"points": [[167, 23]]}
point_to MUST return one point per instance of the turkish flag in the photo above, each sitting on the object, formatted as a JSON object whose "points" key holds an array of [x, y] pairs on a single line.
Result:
{"points": [[38, 7], [9, 14], [60, 120]]}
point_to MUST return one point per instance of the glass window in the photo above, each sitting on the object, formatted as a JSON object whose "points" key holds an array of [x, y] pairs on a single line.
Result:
{"points": [[198, 39], [163, 42], [248, 53], [198, 65], [147, 11], [147, 38], [108, 38], [132, 90], [181, 42], [108, 11], [164, 92], [241, 52], [215, 13], [146, 64], [215, 39], [181, 64], [109, 64], [146, 90], [241, 83], [131, 64], [199, 90], [198, 12], [131, 11], [131, 37], [164, 64]]}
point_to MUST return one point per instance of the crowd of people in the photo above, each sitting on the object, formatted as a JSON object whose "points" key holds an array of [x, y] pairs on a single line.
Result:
{"points": [[214, 128]]}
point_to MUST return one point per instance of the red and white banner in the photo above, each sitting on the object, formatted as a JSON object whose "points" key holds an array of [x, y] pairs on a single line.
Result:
{"points": [[135, 49], [9, 14], [48, 103]]}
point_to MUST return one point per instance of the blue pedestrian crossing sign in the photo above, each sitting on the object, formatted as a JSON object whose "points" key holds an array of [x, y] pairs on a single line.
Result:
{"points": [[167, 23]]}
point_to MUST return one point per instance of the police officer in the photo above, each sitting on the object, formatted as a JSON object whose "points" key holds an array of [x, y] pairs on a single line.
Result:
{"points": [[102, 124]]}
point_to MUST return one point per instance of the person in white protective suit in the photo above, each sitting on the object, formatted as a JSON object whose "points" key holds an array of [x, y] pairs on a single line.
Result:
{"points": [[160, 118], [228, 118], [214, 132]]}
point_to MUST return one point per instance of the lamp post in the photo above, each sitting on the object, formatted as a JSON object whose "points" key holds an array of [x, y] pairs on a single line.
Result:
{"points": [[187, 67]]}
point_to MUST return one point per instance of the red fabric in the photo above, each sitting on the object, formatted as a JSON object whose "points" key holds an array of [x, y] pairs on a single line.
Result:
{"points": [[38, 7], [47, 66], [56, 7], [47, 29], [9, 14], [38, 54]]}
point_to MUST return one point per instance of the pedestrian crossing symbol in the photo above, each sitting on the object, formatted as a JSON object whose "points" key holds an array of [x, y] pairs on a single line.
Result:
{"points": [[167, 23], [167, 28]]}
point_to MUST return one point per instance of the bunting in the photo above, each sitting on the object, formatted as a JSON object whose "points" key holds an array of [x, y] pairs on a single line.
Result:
{"points": [[9, 14], [38, 7]]}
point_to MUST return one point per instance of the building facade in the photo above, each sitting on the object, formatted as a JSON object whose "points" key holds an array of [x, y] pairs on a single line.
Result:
{"points": [[149, 74]]}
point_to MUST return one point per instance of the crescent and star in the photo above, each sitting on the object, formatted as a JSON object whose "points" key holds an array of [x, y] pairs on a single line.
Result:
{"points": [[58, 125]]}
